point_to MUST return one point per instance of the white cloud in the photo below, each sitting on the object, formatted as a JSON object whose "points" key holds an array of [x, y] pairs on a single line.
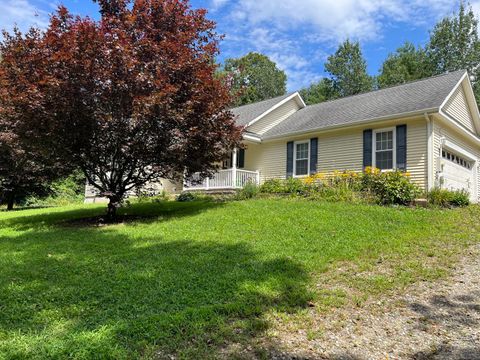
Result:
{"points": [[334, 20], [22, 14], [298, 35], [217, 4]]}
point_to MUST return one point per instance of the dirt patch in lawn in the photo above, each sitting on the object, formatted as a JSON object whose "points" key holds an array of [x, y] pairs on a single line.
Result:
{"points": [[431, 320]]}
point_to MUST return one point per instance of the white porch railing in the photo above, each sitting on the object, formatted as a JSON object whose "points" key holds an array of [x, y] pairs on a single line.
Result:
{"points": [[223, 180]]}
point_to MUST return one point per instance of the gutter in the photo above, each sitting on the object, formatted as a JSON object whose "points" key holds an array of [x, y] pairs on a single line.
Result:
{"points": [[357, 123]]}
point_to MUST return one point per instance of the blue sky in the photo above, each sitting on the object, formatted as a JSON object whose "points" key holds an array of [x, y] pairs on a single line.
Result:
{"points": [[297, 35]]}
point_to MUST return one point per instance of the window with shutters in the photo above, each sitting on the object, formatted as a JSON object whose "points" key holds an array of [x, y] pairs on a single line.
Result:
{"points": [[301, 158], [384, 149]]}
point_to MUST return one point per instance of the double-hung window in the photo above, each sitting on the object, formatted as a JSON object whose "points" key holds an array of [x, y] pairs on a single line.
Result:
{"points": [[301, 163], [384, 149]]}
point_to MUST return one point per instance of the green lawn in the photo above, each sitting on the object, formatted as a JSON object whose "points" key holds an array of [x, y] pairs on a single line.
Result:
{"points": [[199, 276]]}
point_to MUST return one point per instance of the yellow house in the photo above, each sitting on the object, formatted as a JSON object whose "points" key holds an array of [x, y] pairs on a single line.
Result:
{"points": [[429, 128]]}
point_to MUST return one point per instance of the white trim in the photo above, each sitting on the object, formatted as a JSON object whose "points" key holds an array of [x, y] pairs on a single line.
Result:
{"points": [[295, 143], [252, 138], [452, 121], [430, 153], [394, 146], [472, 103], [457, 149], [450, 94], [402, 116], [277, 105]]}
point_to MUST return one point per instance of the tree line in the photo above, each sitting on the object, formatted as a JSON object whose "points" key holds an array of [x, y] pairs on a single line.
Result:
{"points": [[453, 45]]}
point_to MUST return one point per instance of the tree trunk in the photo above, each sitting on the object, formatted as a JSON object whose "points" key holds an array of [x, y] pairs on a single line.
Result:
{"points": [[113, 205], [10, 201]]}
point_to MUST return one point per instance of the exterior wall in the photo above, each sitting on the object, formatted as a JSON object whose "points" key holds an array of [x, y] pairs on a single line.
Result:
{"points": [[275, 117], [343, 150], [92, 195], [442, 129], [457, 107]]}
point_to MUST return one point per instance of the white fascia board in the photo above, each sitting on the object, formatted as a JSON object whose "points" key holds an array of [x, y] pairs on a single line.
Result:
{"points": [[252, 138], [472, 103], [459, 127], [276, 106], [404, 115]]}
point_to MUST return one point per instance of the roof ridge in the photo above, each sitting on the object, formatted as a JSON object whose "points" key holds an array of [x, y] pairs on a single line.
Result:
{"points": [[389, 87]]}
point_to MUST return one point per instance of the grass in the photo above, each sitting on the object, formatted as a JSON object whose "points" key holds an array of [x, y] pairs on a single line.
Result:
{"points": [[200, 276]]}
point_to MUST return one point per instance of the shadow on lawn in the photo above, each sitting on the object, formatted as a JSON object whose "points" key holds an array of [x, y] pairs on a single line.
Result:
{"points": [[105, 293], [143, 213]]}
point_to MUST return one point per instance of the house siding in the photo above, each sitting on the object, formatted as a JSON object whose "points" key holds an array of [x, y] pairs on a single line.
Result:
{"points": [[275, 117], [343, 150], [440, 130], [457, 107]]}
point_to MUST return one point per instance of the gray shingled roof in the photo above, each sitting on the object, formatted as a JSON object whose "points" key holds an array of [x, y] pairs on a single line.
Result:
{"points": [[247, 113], [417, 96]]}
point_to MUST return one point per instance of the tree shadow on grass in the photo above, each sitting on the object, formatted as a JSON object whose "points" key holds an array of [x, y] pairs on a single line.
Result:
{"points": [[141, 213], [101, 293]]}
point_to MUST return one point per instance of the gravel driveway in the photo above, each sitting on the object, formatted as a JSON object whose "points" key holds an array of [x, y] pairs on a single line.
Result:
{"points": [[439, 320]]}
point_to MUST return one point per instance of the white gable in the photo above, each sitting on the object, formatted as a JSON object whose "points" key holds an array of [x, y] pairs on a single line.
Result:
{"points": [[462, 107], [457, 107], [275, 117]]}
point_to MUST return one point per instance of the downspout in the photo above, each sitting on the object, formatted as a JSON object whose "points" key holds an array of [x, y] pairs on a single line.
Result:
{"points": [[430, 159]]}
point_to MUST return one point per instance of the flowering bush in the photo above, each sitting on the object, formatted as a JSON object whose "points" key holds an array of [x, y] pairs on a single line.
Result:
{"points": [[393, 187]]}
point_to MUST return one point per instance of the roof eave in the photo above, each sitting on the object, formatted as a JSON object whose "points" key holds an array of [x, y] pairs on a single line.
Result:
{"points": [[356, 123]]}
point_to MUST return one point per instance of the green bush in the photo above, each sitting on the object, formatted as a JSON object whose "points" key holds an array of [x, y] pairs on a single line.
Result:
{"points": [[69, 190], [447, 198], [249, 191], [194, 196], [390, 188], [293, 186], [273, 186]]}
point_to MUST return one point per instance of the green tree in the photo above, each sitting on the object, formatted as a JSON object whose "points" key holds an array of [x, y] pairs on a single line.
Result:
{"points": [[348, 70], [319, 92], [454, 44], [406, 64], [254, 77]]}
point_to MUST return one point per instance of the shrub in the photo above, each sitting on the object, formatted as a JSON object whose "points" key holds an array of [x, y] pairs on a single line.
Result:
{"points": [[273, 186], [186, 197], [448, 198], [249, 191], [68, 190], [392, 187], [194, 196], [148, 198]]}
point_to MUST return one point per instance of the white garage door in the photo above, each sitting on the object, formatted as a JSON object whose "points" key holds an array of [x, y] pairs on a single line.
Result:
{"points": [[458, 173]]}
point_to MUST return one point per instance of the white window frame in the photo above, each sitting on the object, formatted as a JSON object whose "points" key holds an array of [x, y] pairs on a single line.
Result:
{"points": [[394, 150], [295, 158]]}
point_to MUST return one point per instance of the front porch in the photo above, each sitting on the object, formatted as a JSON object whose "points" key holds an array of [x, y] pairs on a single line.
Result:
{"points": [[232, 176], [227, 179]]}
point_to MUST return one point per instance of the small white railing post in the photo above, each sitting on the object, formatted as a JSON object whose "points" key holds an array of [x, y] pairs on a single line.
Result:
{"points": [[207, 183], [257, 177], [234, 168]]}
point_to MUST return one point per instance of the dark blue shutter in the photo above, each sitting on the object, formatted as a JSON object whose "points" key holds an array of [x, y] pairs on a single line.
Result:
{"points": [[289, 159], [241, 158], [402, 147], [367, 148], [313, 155]]}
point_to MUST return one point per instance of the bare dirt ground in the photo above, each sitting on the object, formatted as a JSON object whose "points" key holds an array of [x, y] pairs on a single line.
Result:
{"points": [[439, 320]]}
